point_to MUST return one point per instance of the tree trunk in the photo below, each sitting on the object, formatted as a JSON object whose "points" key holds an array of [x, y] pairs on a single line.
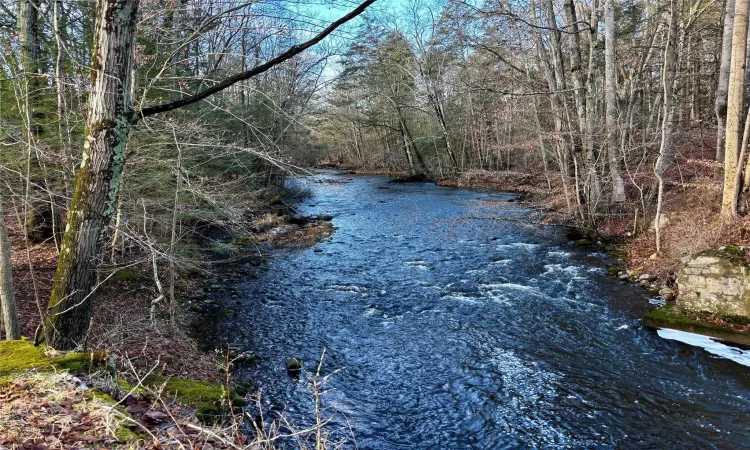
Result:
{"points": [[610, 87], [416, 162], [98, 180], [553, 70], [666, 149], [7, 300], [592, 156], [735, 106], [576, 68], [437, 105], [722, 87]]}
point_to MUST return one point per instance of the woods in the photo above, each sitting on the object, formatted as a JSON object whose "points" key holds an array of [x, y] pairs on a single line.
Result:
{"points": [[609, 102], [151, 152], [109, 118]]}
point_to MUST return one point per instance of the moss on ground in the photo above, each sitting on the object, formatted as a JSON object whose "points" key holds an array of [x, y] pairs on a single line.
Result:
{"points": [[734, 253], [205, 396], [670, 317], [188, 391], [18, 356], [617, 252]]}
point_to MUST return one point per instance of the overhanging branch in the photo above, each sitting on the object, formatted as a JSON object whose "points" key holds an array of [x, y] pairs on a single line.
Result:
{"points": [[290, 53]]}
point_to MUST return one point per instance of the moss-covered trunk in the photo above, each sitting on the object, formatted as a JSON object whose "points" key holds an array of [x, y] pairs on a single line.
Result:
{"points": [[97, 183]]}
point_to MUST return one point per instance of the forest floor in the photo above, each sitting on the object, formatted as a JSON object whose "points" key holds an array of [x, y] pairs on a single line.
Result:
{"points": [[138, 348]]}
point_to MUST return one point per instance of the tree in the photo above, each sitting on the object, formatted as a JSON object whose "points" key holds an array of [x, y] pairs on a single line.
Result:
{"points": [[108, 123], [666, 150], [722, 87], [735, 105], [7, 300], [610, 92]]}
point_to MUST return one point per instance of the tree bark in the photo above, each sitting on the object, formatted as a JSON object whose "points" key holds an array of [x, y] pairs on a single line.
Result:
{"points": [[666, 150], [722, 87], [553, 70], [735, 105], [95, 198], [610, 88], [7, 300]]}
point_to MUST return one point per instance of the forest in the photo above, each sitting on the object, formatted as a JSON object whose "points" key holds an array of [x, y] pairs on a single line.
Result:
{"points": [[156, 154]]}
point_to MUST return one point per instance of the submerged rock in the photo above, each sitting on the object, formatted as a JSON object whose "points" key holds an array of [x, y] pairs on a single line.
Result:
{"points": [[294, 366]]}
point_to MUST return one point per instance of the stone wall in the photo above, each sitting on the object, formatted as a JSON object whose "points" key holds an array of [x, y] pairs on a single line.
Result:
{"points": [[715, 281]]}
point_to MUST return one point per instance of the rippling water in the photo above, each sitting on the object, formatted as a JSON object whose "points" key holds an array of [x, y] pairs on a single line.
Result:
{"points": [[454, 330]]}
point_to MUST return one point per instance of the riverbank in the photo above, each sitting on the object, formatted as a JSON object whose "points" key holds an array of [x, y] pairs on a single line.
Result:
{"points": [[155, 359]]}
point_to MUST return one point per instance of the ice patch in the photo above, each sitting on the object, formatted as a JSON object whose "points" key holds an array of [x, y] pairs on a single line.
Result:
{"points": [[711, 346]]}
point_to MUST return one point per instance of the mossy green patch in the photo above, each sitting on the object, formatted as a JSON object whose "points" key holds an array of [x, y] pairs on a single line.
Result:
{"points": [[188, 391], [122, 433], [18, 356], [670, 317], [734, 253], [243, 241], [205, 396], [125, 434], [617, 252]]}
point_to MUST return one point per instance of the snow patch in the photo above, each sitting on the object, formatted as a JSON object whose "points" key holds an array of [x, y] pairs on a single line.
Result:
{"points": [[711, 346]]}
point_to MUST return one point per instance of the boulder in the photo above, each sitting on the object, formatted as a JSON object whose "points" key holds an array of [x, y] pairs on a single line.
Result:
{"points": [[716, 281], [667, 294]]}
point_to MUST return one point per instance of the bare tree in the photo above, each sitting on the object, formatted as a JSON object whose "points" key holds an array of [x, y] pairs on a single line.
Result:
{"points": [[610, 91], [735, 105]]}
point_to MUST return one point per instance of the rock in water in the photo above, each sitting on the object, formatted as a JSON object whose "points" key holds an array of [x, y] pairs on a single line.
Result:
{"points": [[294, 366], [418, 178]]}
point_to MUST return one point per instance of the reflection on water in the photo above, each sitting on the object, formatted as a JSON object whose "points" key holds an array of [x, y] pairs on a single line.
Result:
{"points": [[457, 332]]}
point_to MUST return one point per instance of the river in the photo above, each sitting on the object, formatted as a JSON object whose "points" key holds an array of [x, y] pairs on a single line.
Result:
{"points": [[453, 329]]}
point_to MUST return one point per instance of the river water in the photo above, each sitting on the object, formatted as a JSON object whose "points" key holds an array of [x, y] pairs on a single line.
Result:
{"points": [[452, 329]]}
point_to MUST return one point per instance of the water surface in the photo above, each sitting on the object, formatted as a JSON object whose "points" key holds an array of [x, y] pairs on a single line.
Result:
{"points": [[455, 330]]}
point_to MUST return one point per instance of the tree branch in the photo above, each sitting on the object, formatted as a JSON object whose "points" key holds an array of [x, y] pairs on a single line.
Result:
{"points": [[291, 52]]}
